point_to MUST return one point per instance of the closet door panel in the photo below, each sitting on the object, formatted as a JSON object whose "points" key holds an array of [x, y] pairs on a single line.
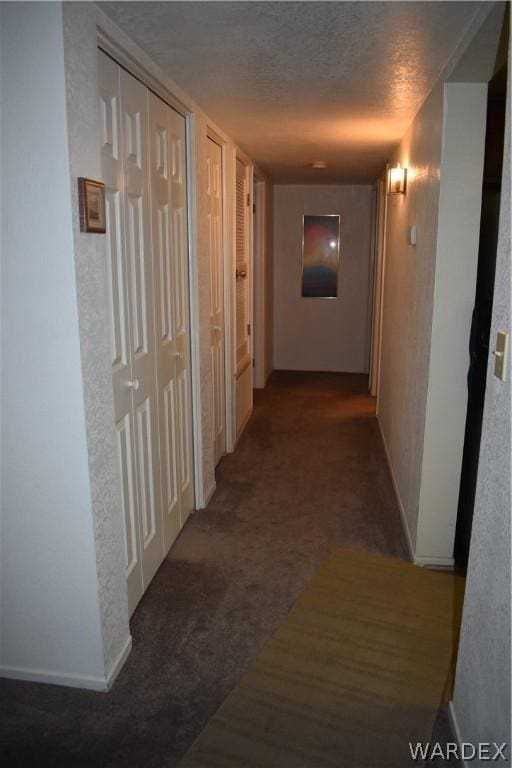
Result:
{"points": [[161, 220], [144, 170], [179, 245], [134, 122], [214, 198], [112, 169]]}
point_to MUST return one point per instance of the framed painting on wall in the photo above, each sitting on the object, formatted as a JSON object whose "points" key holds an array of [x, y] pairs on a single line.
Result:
{"points": [[320, 256], [91, 202]]}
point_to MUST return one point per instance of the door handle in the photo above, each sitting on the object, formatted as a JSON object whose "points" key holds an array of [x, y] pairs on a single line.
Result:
{"points": [[133, 384], [217, 327], [178, 355], [240, 274]]}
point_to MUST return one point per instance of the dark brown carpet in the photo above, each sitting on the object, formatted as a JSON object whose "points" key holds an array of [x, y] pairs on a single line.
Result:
{"points": [[308, 476]]}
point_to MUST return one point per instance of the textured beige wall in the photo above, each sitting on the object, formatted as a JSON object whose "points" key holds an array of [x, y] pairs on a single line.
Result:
{"points": [[322, 334], [408, 303], [81, 57], [482, 686], [458, 234], [429, 294], [52, 617]]}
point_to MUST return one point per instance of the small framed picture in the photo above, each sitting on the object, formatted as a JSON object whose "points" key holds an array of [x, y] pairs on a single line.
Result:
{"points": [[91, 199]]}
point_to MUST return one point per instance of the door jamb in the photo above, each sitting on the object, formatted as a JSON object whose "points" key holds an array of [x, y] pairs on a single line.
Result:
{"points": [[380, 274], [258, 267]]}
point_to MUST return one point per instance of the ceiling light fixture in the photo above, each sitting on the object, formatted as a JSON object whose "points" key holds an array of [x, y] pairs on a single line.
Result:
{"points": [[319, 164], [397, 180]]}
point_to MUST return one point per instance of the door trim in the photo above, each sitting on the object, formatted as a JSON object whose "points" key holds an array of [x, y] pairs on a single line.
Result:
{"points": [[133, 67], [137, 70], [378, 288], [259, 270]]}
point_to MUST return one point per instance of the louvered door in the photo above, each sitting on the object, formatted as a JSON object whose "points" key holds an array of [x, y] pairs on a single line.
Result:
{"points": [[217, 336], [243, 300]]}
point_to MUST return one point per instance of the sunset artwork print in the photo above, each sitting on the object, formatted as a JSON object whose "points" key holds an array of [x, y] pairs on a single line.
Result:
{"points": [[320, 256]]}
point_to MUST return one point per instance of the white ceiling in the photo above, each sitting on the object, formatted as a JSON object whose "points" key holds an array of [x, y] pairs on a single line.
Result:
{"points": [[297, 82]]}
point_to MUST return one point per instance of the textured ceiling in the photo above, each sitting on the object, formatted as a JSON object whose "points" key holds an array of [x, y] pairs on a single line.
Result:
{"points": [[298, 82]]}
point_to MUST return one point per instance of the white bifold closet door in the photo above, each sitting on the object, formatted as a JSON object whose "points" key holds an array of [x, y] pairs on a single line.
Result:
{"points": [[143, 163], [216, 262]]}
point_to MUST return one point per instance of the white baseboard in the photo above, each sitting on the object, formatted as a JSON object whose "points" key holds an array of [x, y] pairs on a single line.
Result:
{"points": [[405, 523], [443, 563], [119, 662], [63, 678], [425, 561], [54, 678], [456, 730]]}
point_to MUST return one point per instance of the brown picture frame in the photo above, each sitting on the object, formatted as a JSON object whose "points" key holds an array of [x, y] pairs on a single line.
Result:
{"points": [[91, 201]]}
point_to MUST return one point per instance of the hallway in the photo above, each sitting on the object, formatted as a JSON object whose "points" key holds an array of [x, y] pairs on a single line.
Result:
{"points": [[308, 475], [215, 169]]}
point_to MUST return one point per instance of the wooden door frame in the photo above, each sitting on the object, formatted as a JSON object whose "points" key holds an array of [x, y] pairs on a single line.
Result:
{"points": [[105, 43]]}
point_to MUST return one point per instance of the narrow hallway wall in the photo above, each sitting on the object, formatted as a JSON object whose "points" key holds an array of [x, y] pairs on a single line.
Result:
{"points": [[429, 292], [428, 299], [482, 687], [322, 334], [50, 609], [407, 306]]}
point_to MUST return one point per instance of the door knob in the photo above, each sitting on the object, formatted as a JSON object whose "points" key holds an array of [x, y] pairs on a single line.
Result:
{"points": [[241, 274], [134, 384], [178, 355], [217, 327]]}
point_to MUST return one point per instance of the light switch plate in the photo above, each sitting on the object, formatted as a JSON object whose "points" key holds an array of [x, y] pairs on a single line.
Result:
{"points": [[412, 235], [501, 355]]}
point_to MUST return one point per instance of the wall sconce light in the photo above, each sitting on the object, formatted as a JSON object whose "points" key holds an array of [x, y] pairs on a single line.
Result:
{"points": [[397, 180]]}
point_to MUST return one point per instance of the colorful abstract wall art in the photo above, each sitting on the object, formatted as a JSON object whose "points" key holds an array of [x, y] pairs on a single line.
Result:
{"points": [[320, 256]]}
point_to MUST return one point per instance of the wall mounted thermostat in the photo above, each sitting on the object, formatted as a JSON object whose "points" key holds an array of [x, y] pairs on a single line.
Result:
{"points": [[412, 235]]}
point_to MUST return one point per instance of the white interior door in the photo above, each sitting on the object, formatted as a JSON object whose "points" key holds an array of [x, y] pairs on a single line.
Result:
{"points": [[243, 351], [134, 126], [144, 167], [216, 262], [161, 216], [181, 303], [112, 167]]}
